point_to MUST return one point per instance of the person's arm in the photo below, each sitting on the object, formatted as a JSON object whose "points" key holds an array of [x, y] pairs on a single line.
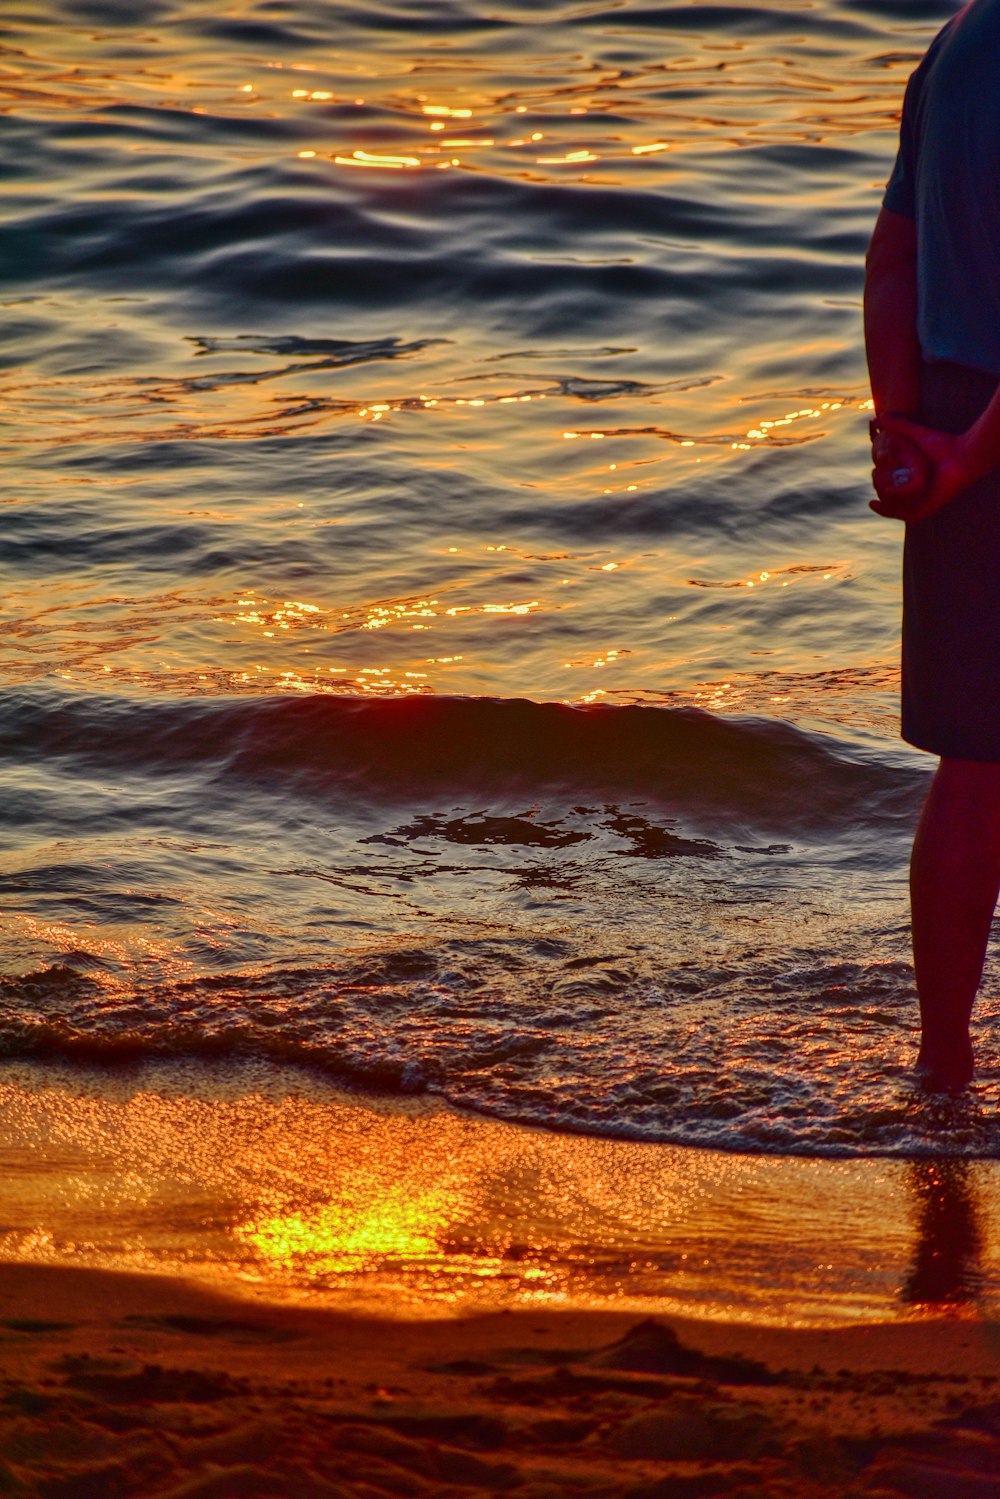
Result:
{"points": [[901, 475], [893, 349], [891, 341]]}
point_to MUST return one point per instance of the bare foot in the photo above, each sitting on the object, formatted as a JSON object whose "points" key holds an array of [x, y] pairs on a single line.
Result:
{"points": [[945, 1070]]}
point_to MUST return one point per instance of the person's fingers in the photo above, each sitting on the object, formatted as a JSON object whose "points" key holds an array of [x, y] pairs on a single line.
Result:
{"points": [[883, 444], [891, 509], [904, 482]]}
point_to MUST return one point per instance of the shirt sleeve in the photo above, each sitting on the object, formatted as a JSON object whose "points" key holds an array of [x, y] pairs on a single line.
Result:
{"points": [[900, 193]]}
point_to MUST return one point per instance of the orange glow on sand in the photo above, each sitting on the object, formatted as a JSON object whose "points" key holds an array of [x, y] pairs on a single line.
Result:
{"points": [[423, 1211]]}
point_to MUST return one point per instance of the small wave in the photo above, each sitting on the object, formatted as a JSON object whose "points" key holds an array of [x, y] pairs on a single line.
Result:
{"points": [[269, 234], [762, 773]]}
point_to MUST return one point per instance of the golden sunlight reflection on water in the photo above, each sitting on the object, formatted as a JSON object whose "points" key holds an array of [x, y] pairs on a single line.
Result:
{"points": [[112, 949], [291, 1189], [255, 643], [607, 434], [243, 406]]}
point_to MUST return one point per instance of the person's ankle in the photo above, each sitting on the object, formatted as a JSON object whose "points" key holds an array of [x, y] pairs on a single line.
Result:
{"points": [[945, 1066]]}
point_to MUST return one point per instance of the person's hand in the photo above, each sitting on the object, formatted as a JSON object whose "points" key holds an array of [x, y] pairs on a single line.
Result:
{"points": [[946, 467], [901, 473]]}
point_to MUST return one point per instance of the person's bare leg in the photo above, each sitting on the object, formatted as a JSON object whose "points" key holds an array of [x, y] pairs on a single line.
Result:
{"points": [[954, 880]]}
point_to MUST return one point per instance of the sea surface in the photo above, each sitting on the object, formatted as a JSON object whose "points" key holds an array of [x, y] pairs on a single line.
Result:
{"points": [[532, 330]]}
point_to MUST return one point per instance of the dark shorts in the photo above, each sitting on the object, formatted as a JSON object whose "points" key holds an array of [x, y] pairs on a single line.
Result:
{"points": [[951, 595]]}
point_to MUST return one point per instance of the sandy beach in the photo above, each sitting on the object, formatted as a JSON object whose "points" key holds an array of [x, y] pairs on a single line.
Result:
{"points": [[116, 1384], [238, 1283]]}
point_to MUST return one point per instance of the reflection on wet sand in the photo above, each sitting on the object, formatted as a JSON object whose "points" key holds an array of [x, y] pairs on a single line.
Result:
{"points": [[947, 1266], [291, 1190]]}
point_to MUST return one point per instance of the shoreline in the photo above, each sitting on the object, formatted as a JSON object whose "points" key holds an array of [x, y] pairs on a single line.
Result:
{"points": [[275, 1186]]}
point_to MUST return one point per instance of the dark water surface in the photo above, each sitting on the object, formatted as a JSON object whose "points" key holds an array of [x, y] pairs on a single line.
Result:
{"points": [[532, 332]]}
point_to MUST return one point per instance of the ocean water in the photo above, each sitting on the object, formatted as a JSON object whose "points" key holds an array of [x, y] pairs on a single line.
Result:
{"points": [[445, 644]]}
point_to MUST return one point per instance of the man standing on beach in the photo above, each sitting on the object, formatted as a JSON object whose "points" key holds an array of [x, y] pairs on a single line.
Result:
{"points": [[932, 333]]}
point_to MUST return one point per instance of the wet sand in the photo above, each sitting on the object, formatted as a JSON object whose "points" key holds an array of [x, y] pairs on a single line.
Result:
{"points": [[274, 1184]]}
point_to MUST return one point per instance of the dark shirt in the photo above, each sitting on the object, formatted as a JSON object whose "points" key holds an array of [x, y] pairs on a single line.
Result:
{"points": [[947, 178]]}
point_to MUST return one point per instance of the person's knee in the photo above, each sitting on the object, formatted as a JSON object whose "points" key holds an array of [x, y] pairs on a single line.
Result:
{"points": [[959, 831], [969, 789], [983, 775]]}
